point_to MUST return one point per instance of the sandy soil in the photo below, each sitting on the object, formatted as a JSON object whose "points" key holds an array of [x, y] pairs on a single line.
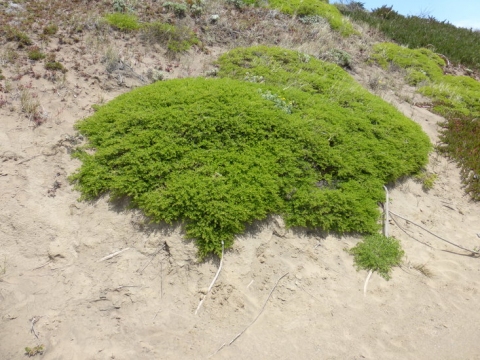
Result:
{"points": [[141, 303]]}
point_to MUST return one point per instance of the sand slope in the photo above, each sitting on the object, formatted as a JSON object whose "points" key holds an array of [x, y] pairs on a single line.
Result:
{"points": [[141, 304]]}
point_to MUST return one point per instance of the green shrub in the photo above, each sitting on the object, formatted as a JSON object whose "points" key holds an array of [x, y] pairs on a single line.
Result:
{"points": [[124, 22], [176, 38], [378, 253], [310, 144], [35, 54], [339, 57], [427, 179], [421, 64], [179, 9], [309, 8], [55, 66], [50, 29]]}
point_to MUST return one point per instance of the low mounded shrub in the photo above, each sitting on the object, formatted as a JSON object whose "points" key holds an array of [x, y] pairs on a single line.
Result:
{"points": [[308, 143]]}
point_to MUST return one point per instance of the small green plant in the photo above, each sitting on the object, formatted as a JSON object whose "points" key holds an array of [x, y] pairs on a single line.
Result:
{"points": [[28, 102], [55, 66], [155, 75], [427, 179], [123, 22], [179, 9], [111, 59], [14, 34], [339, 57], [311, 19], [279, 102], [51, 29], [36, 350], [378, 253], [2, 77], [35, 54], [197, 7], [121, 6], [176, 38]]}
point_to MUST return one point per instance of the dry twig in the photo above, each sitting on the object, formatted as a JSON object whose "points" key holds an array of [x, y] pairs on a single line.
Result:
{"points": [[153, 257], [112, 255], [33, 322], [39, 267], [213, 282], [260, 313], [366, 282], [437, 236]]}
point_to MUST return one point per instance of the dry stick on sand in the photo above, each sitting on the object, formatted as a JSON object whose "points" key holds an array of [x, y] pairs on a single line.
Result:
{"points": [[153, 257], [421, 227], [32, 329], [213, 282], [260, 313], [112, 255]]}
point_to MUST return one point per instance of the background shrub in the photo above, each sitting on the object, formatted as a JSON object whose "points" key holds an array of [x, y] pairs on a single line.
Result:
{"points": [[459, 45], [309, 8], [121, 21], [454, 97]]}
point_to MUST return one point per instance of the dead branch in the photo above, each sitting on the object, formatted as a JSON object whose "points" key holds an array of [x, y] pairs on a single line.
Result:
{"points": [[366, 282], [33, 322], [39, 267], [153, 257], [437, 236], [253, 322], [213, 282], [113, 255]]}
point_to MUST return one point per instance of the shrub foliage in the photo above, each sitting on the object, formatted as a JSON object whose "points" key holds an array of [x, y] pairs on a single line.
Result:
{"points": [[308, 143]]}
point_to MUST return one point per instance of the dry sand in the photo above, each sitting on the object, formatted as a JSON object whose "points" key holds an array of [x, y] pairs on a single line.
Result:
{"points": [[141, 303]]}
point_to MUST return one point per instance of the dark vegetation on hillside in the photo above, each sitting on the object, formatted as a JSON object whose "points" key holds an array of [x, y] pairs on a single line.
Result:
{"points": [[459, 45]]}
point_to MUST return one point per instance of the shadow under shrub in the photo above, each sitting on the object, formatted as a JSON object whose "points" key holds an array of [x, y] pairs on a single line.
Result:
{"points": [[220, 153]]}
